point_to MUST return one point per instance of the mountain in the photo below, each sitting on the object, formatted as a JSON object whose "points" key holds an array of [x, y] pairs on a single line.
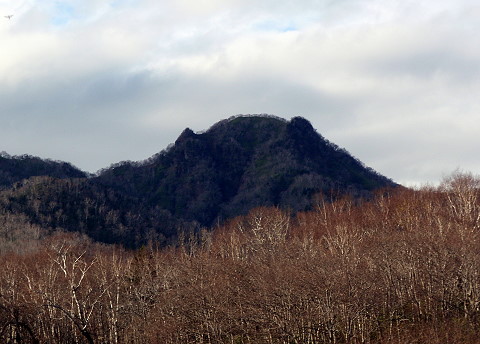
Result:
{"points": [[202, 179], [240, 163]]}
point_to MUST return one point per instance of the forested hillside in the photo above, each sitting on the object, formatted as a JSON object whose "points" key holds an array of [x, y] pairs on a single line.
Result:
{"points": [[400, 267], [201, 180], [16, 168]]}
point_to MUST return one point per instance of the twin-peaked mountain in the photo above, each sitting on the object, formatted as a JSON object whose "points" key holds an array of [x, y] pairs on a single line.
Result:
{"points": [[204, 178]]}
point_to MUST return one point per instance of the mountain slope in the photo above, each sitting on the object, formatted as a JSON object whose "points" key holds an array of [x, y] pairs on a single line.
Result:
{"points": [[204, 178]]}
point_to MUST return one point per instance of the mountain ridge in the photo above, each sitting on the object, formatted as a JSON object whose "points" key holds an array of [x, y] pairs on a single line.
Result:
{"points": [[16, 168]]}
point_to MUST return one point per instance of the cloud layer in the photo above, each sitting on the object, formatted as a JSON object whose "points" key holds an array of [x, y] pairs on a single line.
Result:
{"points": [[94, 82]]}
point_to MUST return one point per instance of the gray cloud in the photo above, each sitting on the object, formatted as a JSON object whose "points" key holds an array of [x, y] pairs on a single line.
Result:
{"points": [[95, 82]]}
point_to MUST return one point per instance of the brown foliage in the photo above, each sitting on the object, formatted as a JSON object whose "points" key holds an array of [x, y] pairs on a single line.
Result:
{"points": [[402, 267]]}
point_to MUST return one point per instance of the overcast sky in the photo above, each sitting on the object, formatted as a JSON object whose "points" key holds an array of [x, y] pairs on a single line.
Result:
{"points": [[93, 82]]}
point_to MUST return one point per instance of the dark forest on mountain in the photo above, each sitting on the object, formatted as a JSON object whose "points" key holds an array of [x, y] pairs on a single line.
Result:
{"points": [[200, 181]]}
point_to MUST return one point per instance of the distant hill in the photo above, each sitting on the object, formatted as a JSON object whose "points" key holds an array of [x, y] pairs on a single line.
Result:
{"points": [[15, 168], [202, 179]]}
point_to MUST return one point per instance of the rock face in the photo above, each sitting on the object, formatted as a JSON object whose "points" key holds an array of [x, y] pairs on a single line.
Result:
{"points": [[202, 179]]}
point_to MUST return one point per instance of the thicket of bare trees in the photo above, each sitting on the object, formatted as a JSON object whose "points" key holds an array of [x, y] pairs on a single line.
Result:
{"points": [[403, 267]]}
